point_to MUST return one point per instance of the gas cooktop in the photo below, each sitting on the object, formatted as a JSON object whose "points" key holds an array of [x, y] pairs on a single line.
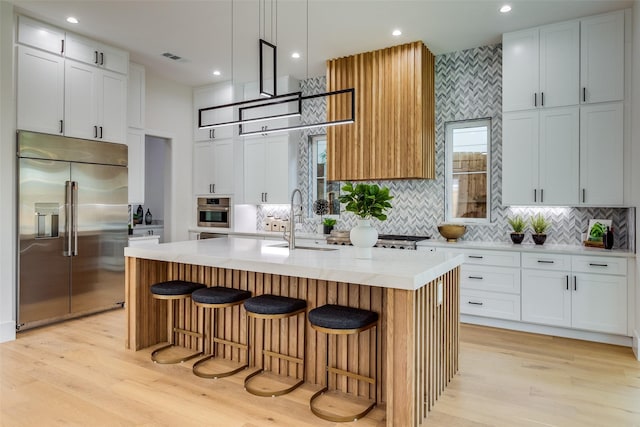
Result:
{"points": [[397, 241]]}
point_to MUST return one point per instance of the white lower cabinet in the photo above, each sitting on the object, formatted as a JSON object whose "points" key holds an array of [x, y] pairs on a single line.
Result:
{"points": [[490, 304], [576, 297]]}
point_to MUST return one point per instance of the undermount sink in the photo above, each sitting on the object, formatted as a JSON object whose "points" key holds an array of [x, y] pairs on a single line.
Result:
{"points": [[308, 248]]}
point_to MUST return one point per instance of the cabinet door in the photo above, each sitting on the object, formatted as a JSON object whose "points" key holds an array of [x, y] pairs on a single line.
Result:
{"points": [[277, 169], [80, 100], [114, 59], [546, 297], [135, 142], [599, 303], [602, 58], [112, 106], [136, 97], [601, 154], [559, 64], [40, 91], [254, 170], [42, 36], [211, 96], [520, 70], [82, 49], [223, 166], [520, 158], [559, 156], [202, 168]]}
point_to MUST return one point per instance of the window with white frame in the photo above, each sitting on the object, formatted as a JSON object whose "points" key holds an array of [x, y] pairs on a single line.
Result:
{"points": [[320, 187], [468, 170]]}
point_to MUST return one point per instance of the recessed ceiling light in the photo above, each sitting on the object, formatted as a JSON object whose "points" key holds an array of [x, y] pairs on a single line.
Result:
{"points": [[506, 8], [216, 72], [72, 20], [396, 33], [295, 55]]}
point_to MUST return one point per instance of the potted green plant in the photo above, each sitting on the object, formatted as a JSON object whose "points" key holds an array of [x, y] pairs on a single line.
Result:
{"points": [[539, 225], [320, 207], [328, 224], [366, 201], [518, 225]]}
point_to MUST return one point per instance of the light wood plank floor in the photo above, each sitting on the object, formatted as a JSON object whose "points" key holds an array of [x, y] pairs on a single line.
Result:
{"points": [[78, 374]]}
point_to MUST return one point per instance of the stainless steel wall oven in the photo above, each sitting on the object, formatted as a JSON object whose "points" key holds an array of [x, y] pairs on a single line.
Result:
{"points": [[214, 212]]}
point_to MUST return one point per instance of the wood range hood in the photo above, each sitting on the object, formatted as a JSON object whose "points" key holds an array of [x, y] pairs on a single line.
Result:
{"points": [[393, 136]]}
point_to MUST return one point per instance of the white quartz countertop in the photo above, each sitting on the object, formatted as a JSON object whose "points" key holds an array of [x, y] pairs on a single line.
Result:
{"points": [[389, 268], [527, 247]]}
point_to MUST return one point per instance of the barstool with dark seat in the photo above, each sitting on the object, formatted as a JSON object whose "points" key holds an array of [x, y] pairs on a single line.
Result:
{"points": [[342, 320], [214, 298], [172, 291], [274, 307]]}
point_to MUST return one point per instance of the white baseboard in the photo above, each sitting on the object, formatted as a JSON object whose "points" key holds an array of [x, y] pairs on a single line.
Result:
{"points": [[7, 331], [549, 330], [636, 344]]}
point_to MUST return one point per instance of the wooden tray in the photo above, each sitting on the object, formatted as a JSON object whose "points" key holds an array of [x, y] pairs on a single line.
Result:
{"points": [[593, 244]]}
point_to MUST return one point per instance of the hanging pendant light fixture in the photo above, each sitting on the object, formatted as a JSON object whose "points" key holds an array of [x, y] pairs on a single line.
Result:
{"points": [[257, 110]]}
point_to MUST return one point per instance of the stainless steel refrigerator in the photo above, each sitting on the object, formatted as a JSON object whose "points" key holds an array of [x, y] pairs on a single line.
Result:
{"points": [[72, 225]]}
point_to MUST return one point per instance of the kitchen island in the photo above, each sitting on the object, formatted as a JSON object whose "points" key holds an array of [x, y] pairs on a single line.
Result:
{"points": [[415, 293]]}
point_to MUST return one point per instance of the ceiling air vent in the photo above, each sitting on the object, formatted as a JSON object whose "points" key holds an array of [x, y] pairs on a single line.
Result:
{"points": [[172, 56]]}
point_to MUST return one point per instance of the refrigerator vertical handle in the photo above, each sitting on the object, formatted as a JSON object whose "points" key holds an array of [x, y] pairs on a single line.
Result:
{"points": [[67, 218], [74, 215]]}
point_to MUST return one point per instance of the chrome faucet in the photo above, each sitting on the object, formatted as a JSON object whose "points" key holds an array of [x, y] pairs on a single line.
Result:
{"points": [[292, 220]]}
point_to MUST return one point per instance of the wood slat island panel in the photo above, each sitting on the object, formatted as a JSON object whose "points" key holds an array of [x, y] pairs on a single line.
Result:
{"points": [[417, 338]]}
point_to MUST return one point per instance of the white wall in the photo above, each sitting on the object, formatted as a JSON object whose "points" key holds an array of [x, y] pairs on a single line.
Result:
{"points": [[635, 143], [7, 177], [168, 115], [154, 181]]}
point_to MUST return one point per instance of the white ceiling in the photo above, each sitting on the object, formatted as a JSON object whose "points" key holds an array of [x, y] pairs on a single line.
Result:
{"points": [[201, 31]]}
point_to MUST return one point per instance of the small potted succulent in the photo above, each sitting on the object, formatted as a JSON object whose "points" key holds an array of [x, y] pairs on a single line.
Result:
{"points": [[518, 225], [539, 225], [321, 207], [328, 224]]}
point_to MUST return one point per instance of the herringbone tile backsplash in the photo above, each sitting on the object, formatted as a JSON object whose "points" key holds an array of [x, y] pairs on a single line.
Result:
{"points": [[468, 86]]}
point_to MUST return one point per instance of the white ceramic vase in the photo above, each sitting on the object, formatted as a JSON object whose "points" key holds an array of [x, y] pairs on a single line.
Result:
{"points": [[363, 237]]}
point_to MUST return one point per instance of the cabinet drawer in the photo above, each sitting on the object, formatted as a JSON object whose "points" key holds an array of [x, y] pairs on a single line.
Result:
{"points": [[489, 278], [482, 257], [490, 304], [603, 265], [546, 261]]}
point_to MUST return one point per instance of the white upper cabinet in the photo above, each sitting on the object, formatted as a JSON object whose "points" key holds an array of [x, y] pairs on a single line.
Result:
{"points": [[95, 103], [541, 67], [40, 91], [602, 58], [285, 85], [269, 169], [540, 157], [601, 154], [136, 96], [39, 35], [213, 96], [97, 54], [213, 167]]}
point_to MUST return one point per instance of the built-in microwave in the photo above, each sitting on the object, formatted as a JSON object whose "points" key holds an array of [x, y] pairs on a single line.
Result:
{"points": [[214, 212]]}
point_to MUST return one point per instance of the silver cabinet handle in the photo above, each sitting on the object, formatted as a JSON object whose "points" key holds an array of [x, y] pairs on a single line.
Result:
{"points": [[474, 303], [593, 264], [544, 261], [476, 277], [74, 216]]}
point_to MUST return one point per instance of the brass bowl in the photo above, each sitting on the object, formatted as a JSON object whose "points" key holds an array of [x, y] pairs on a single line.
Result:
{"points": [[452, 232]]}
